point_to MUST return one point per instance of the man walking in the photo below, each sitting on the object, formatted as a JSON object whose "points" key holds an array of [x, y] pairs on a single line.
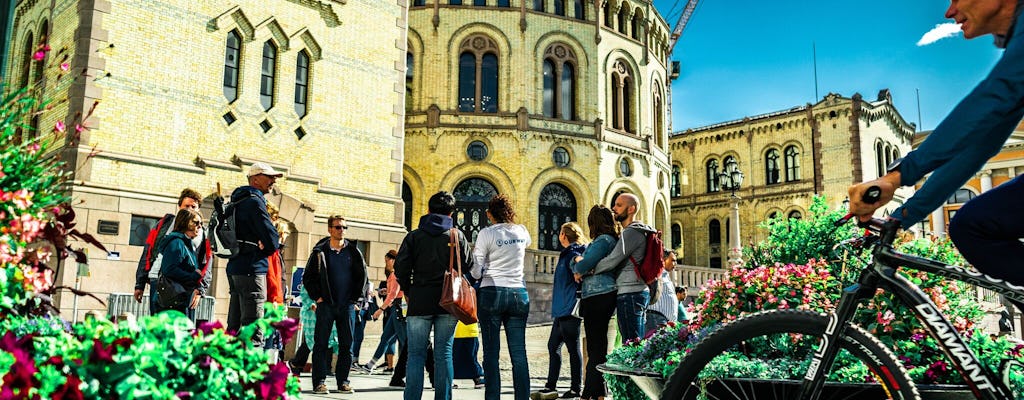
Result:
{"points": [[148, 269], [334, 277], [257, 240], [420, 267], [633, 295]]}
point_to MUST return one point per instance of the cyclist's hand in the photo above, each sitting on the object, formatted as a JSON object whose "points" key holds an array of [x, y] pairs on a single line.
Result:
{"points": [[888, 183]]}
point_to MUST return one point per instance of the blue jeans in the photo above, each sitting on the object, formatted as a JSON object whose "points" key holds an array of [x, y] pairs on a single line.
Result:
{"points": [[387, 337], [328, 316], [358, 329], [630, 309], [154, 305], [987, 231], [499, 306], [418, 331]]}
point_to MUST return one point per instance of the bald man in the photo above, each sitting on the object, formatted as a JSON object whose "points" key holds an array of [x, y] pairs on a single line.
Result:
{"points": [[633, 294]]}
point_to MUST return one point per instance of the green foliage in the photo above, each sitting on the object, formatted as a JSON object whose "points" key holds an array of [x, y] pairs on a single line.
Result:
{"points": [[798, 241]]}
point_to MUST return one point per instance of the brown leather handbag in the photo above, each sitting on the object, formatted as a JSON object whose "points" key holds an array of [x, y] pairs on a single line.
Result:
{"points": [[457, 296]]}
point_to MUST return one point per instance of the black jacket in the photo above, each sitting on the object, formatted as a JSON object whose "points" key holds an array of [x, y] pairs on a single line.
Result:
{"points": [[253, 225], [316, 280], [423, 260]]}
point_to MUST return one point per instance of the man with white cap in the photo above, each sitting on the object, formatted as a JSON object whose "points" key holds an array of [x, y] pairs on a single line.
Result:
{"points": [[257, 238]]}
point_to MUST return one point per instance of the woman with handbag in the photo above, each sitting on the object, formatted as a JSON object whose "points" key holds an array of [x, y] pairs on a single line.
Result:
{"points": [[180, 272], [565, 327], [598, 295], [498, 256]]}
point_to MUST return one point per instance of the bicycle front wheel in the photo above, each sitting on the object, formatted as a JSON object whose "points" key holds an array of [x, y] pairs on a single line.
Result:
{"points": [[766, 355]]}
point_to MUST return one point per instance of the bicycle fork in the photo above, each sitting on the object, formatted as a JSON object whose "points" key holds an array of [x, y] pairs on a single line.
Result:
{"points": [[817, 371]]}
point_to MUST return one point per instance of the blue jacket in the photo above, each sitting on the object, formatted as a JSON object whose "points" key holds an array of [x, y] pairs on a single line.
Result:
{"points": [[601, 283], [563, 296], [179, 260], [252, 224], [970, 135]]}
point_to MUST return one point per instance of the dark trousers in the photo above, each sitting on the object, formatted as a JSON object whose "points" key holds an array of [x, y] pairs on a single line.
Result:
{"points": [[301, 356], [596, 312], [248, 293], [987, 230], [154, 305], [327, 316], [358, 328], [565, 330]]}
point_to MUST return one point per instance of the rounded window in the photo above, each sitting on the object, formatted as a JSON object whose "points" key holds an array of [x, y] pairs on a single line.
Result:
{"points": [[477, 151], [561, 157], [625, 168]]}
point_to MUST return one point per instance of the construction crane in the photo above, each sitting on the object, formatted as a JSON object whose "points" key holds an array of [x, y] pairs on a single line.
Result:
{"points": [[681, 23]]}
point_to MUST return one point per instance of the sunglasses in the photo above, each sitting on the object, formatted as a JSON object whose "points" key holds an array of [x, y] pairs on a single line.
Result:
{"points": [[197, 222], [340, 227]]}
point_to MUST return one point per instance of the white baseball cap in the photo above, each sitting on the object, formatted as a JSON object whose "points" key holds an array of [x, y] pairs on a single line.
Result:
{"points": [[262, 168]]}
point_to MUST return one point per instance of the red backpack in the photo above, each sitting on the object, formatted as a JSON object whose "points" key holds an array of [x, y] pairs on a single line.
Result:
{"points": [[650, 269]]}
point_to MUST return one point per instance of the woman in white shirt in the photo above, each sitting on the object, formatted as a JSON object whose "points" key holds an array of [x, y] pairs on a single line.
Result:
{"points": [[502, 299]]}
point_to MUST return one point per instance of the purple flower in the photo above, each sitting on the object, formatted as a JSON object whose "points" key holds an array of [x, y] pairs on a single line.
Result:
{"points": [[273, 385], [287, 327], [917, 337], [70, 390], [208, 327]]}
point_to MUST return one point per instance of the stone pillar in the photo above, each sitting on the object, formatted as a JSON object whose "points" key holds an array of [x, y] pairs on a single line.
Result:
{"points": [[735, 250], [939, 222], [986, 180]]}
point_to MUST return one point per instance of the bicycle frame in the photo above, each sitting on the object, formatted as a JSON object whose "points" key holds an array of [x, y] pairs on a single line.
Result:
{"points": [[881, 273]]}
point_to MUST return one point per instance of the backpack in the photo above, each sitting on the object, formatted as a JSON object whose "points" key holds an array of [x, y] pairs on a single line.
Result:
{"points": [[223, 231], [649, 270], [151, 241]]}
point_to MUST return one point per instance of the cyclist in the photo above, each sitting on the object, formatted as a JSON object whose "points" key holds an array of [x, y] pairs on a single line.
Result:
{"points": [[987, 228]]}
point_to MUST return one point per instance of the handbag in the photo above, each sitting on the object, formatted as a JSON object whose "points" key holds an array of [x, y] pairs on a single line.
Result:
{"points": [[457, 296], [169, 294]]}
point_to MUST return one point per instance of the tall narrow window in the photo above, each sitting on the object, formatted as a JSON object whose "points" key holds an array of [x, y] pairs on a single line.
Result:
{"points": [[267, 75], [538, 5], [636, 26], [560, 7], [792, 164], [580, 13], [621, 22], [38, 65], [478, 75], [677, 236], [627, 105], [608, 16], [409, 74], [26, 63], [659, 117], [561, 60], [568, 89], [549, 89], [232, 51], [715, 244], [712, 174], [676, 188], [301, 83], [888, 154], [771, 166], [467, 82], [616, 101], [880, 159]]}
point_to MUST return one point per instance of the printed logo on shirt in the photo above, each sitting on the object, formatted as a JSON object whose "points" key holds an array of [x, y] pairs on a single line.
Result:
{"points": [[505, 242]]}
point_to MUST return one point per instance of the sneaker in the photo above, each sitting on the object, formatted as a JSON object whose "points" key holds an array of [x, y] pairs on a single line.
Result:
{"points": [[478, 383], [397, 384], [389, 370], [321, 389], [346, 389], [570, 394], [296, 370], [544, 394], [362, 369]]}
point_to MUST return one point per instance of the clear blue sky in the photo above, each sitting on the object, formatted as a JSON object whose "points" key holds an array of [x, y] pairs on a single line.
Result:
{"points": [[747, 57]]}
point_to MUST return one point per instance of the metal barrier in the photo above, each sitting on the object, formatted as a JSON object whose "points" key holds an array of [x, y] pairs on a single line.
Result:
{"points": [[120, 303]]}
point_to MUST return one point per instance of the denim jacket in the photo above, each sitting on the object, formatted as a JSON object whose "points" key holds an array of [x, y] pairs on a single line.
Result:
{"points": [[595, 284]]}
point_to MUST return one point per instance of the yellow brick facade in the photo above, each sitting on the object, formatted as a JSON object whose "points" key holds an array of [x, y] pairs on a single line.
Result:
{"points": [[157, 69], [835, 141], [519, 135]]}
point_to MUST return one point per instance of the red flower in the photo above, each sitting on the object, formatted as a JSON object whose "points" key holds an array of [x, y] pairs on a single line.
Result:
{"points": [[287, 327], [21, 376], [208, 327], [273, 385], [70, 390]]}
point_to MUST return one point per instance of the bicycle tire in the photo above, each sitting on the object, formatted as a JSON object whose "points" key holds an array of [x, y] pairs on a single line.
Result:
{"points": [[891, 379]]}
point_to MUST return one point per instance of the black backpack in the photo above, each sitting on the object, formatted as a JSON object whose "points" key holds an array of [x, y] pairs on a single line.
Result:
{"points": [[223, 232]]}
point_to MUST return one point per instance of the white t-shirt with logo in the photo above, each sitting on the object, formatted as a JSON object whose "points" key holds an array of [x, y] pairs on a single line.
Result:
{"points": [[498, 255]]}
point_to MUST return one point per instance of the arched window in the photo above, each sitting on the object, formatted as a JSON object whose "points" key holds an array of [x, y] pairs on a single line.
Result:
{"points": [[895, 153], [267, 74], [38, 65], [301, 83], [560, 83], [636, 25], [232, 52], [26, 63], [792, 164], [621, 20], [409, 74], [608, 16], [712, 174], [715, 244], [538, 5], [622, 95], [659, 118], [557, 206], [771, 166], [478, 75], [677, 236], [888, 154], [471, 198], [676, 188], [960, 196], [795, 214], [580, 11], [560, 7], [407, 199], [880, 159]]}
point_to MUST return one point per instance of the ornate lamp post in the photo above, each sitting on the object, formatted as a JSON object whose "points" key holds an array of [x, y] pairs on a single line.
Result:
{"points": [[730, 179]]}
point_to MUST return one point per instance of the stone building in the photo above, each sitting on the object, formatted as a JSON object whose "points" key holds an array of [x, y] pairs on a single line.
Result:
{"points": [[555, 103], [787, 157], [191, 93]]}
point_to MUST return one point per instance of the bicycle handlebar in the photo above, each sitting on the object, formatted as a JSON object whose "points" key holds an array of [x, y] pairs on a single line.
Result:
{"points": [[886, 228]]}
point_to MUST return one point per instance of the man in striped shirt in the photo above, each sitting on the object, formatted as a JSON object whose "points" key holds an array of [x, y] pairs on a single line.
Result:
{"points": [[667, 307]]}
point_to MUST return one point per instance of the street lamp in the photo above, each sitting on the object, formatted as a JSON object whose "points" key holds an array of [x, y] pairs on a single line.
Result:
{"points": [[730, 179]]}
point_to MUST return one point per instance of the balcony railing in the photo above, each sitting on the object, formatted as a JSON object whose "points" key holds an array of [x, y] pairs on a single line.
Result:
{"points": [[694, 278]]}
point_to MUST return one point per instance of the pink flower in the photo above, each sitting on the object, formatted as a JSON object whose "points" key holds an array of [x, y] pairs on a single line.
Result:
{"points": [[59, 127], [273, 385], [65, 67], [39, 55]]}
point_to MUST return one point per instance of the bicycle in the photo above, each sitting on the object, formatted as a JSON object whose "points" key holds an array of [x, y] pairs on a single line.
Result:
{"points": [[818, 344]]}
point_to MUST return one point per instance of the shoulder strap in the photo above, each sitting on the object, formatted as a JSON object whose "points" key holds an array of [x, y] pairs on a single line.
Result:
{"points": [[453, 251]]}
